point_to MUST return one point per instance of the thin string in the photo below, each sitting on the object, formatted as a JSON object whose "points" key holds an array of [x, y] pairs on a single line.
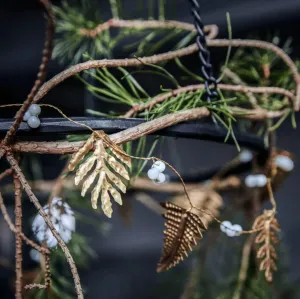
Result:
{"points": [[109, 143]]}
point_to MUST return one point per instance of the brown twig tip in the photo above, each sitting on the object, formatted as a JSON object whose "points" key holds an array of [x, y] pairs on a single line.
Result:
{"points": [[268, 226]]}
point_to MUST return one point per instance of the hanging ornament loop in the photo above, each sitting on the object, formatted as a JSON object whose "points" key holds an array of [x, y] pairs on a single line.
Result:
{"points": [[211, 84]]}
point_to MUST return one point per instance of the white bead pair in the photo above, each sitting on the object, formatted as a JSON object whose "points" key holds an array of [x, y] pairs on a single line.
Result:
{"points": [[155, 173], [31, 116], [256, 180], [231, 230]]}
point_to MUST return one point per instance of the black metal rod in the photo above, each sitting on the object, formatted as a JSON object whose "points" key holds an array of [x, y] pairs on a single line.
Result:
{"points": [[57, 128]]}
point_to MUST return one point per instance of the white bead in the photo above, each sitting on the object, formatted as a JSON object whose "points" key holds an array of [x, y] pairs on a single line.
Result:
{"points": [[261, 180], [225, 225], [284, 162], [237, 229], [35, 255], [153, 173], [160, 166], [33, 122], [245, 156], [161, 178], [34, 109], [26, 116], [230, 232], [251, 181]]}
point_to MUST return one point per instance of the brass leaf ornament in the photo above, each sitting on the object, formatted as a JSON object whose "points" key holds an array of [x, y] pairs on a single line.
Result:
{"points": [[183, 229], [107, 170], [267, 238], [202, 198]]}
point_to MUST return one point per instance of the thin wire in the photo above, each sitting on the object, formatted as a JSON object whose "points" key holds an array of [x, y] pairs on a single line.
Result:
{"points": [[109, 143]]}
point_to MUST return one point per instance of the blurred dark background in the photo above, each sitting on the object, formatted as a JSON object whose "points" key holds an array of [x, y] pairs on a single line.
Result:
{"points": [[125, 267]]}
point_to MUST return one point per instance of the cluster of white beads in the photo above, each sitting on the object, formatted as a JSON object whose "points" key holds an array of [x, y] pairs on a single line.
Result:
{"points": [[284, 162], [31, 116], [62, 217], [256, 180], [155, 173], [231, 230]]}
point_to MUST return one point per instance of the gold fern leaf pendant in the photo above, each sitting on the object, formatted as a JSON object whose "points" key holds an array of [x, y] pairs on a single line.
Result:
{"points": [[107, 170], [183, 229], [267, 239]]}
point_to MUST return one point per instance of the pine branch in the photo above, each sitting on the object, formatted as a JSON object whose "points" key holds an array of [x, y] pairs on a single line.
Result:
{"points": [[236, 88], [211, 30]]}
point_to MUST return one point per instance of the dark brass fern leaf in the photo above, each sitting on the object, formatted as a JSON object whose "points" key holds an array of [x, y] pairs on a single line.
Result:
{"points": [[183, 229]]}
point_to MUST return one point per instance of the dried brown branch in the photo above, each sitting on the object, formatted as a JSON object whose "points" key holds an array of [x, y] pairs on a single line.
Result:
{"points": [[6, 173], [191, 88], [73, 70], [34, 200], [265, 46], [13, 229], [47, 52], [238, 81], [18, 226], [244, 267], [118, 138], [172, 187], [212, 30], [136, 132]]}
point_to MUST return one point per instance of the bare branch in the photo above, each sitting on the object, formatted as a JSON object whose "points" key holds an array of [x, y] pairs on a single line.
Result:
{"points": [[73, 70], [172, 187], [212, 30], [13, 229], [266, 46], [65, 147], [38, 206], [18, 226], [237, 80], [190, 88], [47, 52]]}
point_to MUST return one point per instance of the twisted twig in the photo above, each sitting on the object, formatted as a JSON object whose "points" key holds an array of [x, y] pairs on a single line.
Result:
{"points": [[211, 30], [191, 88], [47, 52], [13, 229], [38, 206], [65, 147]]}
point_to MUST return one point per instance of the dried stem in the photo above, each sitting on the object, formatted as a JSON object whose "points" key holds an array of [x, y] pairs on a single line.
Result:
{"points": [[73, 70], [212, 30], [244, 267], [136, 132], [13, 229], [18, 226], [47, 52], [118, 138], [230, 182], [6, 173], [34, 200], [191, 88], [237, 80], [266, 46]]}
